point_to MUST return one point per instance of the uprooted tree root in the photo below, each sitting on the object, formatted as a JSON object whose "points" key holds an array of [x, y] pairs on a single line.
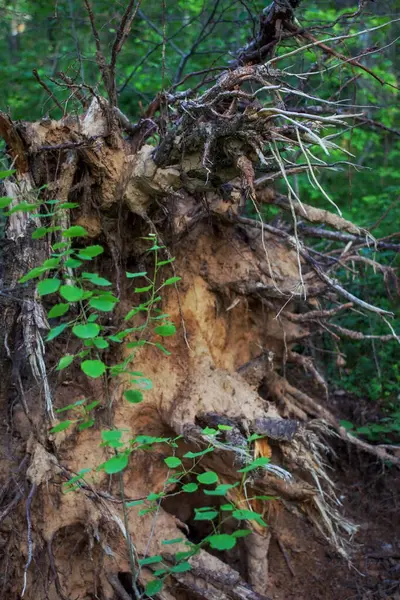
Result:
{"points": [[249, 292]]}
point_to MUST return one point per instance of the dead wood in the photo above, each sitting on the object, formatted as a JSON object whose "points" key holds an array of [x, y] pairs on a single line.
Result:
{"points": [[248, 293]]}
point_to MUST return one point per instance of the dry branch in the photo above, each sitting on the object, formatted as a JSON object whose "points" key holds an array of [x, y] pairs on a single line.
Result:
{"points": [[312, 214], [345, 237]]}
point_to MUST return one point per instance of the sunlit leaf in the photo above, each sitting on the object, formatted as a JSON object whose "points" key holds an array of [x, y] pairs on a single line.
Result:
{"points": [[86, 424], [133, 396], [116, 464], [154, 587], [74, 231], [65, 361], [90, 252], [102, 303], [86, 331], [56, 331], [48, 286], [207, 478], [61, 426], [165, 330], [173, 462], [222, 541], [183, 567], [259, 462], [71, 293], [190, 487], [93, 368]]}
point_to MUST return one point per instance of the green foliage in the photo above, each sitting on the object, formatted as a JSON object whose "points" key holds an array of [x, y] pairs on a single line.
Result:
{"points": [[133, 396], [207, 478], [222, 541], [93, 368], [116, 464], [173, 462]]}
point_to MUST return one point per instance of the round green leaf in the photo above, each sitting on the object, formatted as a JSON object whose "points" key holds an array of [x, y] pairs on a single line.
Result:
{"points": [[239, 533], [207, 478], [165, 330], [60, 245], [86, 424], [86, 331], [73, 263], [172, 462], [5, 201], [71, 293], [65, 361], [248, 515], [61, 426], [58, 310], [111, 437], [222, 541], [101, 343], [40, 232], [133, 396], [48, 286], [103, 304], [32, 274], [190, 487], [91, 251], [116, 464], [154, 587], [93, 368], [220, 490], [51, 263], [75, 231]]}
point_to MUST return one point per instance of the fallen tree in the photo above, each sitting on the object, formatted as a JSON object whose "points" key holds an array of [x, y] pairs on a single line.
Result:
{"points": [[249, 291]]}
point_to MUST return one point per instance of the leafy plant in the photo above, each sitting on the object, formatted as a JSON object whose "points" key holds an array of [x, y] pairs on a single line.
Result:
{"points": [[79, 297]]}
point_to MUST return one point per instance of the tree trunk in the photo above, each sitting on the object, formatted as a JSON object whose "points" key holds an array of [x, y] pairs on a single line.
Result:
{"points": [[248, 294]]}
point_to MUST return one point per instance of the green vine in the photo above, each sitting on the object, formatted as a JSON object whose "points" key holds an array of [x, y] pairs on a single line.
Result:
{"points": [[80, 297]]}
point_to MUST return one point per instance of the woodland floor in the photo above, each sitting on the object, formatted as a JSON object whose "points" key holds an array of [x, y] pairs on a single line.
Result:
{"points": [[371, 498]]}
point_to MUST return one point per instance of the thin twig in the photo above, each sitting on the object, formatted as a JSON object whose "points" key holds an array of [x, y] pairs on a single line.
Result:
{"points": [[47, 89], [285, 556], [120, 37]]}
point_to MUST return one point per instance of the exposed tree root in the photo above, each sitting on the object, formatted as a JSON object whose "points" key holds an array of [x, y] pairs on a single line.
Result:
{"points": [[248, 294]]}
